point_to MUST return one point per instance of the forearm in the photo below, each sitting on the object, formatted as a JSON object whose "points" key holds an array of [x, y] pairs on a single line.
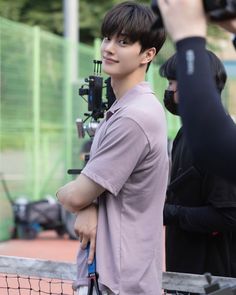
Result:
{"points": [[210, 132], [79, 193], [205, 219]]}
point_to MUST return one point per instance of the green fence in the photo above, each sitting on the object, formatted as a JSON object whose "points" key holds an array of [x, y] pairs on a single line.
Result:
{"points": [[38, 108]]}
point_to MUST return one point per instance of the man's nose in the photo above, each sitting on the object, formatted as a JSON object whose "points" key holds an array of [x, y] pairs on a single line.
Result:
{"points": [[110, 46]]}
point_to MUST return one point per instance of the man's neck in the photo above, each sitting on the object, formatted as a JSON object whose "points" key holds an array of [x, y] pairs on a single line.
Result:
{"points": [[122, 85]]}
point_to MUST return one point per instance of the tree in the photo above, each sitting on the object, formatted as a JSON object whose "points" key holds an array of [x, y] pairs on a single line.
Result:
{"points": [[46, 14], [49, 15]]}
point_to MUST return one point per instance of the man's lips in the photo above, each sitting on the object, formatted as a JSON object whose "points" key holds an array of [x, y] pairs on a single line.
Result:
{"points": [[108, 59]]}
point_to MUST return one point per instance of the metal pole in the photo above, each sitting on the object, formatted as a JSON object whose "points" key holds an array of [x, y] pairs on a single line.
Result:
{"points": [[36, 112], [71, 32]]}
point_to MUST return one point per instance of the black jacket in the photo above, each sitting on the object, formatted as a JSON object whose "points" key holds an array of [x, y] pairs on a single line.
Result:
{"points": [[200, 218]]}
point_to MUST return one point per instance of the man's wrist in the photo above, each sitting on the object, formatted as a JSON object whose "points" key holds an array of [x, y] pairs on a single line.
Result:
{"points": [[189, 41]]}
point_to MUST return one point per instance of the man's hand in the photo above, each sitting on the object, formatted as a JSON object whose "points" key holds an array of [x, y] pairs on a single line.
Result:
{"points": [[183, 18], [86, 228]]}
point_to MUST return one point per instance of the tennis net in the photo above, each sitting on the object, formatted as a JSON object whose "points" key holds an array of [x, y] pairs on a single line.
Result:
{"points": [[26, 276]]}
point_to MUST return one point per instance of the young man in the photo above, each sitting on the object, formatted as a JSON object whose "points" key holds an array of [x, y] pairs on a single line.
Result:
{"points": [[210, 132], [128, 166], [200, 208]]}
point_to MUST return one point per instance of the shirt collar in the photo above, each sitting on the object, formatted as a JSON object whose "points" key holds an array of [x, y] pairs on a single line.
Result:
{"points": [[130, 95]]}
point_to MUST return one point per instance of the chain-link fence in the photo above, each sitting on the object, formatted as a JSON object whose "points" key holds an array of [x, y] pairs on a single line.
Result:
{"points": [[38, 107]]}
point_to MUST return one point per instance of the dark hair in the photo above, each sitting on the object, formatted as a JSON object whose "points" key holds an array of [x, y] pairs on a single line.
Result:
{"points": [[168, 69], [136, 21]]}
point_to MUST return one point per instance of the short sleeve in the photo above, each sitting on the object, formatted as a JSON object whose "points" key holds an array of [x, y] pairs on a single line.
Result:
{"points": [[117, 155]]}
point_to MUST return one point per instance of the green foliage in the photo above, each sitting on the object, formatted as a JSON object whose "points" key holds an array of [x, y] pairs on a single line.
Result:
{"points": [[214, 32], [11, 9], [49, 15], [46, 14]]}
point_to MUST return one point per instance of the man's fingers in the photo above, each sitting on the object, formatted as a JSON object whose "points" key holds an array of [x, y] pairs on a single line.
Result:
{"points": [[77, 231], [80, 237], [84, 242]]}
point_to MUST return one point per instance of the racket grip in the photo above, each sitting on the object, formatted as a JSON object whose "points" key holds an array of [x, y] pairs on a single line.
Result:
{"points": [[92, 266]]}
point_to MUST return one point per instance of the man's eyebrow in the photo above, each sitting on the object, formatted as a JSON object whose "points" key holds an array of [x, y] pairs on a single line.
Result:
{"points": [[122, 34], [125, 36]]}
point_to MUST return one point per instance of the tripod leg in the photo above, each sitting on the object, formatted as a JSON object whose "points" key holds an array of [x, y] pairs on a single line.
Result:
{"points": [[98, 292], [90, 287]]}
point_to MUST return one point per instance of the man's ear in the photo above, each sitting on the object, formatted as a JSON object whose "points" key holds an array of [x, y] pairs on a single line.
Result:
{"points": [[149, 55]]}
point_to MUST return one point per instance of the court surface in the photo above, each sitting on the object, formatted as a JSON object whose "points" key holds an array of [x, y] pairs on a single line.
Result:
{"points": [[47, 245]]}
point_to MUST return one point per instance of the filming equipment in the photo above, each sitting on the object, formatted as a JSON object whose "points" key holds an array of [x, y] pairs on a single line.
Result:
{"points": [[93, 89], [97, 106], [217, 10]]}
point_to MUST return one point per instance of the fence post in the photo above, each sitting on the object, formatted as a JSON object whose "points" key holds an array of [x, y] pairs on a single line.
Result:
{"points": [[68, 105], [36, 113]]}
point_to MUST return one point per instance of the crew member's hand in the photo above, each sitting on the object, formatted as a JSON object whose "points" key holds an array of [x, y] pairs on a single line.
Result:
{"points": [[183, 18], [86, 228], [171, 214]]}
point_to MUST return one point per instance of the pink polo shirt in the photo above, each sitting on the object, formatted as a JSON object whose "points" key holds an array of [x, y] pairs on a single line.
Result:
{"points": [[129, 158]]}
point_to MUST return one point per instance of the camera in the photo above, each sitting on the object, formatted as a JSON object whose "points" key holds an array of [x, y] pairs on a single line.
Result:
{"points": [[97, 106], [217, 10]]}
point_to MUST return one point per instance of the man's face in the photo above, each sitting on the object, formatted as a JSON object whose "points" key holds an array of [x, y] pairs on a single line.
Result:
{"points": [[120, 57]]}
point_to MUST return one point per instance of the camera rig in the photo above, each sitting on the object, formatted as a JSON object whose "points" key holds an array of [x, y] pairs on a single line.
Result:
{"points": [[93, 89], [217, 10], [97, 106]]}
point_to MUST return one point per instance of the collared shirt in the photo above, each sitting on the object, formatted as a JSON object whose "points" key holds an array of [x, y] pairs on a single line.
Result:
{"points": [[129, 158]]}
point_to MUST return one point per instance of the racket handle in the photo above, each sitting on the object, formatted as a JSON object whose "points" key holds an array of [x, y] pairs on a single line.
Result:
{"points": [[92, 266]]}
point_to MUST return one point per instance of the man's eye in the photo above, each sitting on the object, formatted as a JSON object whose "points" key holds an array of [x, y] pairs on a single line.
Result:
{"points": [[123, 42]]}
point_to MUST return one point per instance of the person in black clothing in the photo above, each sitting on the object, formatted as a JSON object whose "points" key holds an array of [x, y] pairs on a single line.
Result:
{"points": [[209, 130], [200, 208]]}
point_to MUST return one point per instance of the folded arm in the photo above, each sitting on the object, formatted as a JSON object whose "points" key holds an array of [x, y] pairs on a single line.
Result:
{"points": [[79, 193], [77, 196]]}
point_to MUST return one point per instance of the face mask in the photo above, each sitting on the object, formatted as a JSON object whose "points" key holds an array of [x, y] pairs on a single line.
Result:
{"points": [[169, 102]]}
